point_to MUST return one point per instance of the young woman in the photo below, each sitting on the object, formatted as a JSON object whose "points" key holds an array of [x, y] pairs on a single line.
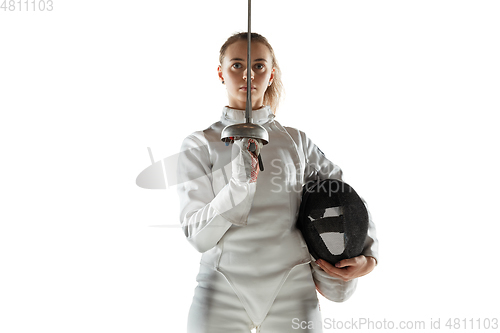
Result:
{"points": [[256, 271]]}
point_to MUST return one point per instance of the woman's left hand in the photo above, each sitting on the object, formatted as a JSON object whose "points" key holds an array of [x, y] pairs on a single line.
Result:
{"points": [[349, 269]]}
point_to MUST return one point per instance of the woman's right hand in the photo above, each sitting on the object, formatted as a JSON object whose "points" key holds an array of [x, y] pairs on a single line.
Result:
{"points": [[245, 164]]}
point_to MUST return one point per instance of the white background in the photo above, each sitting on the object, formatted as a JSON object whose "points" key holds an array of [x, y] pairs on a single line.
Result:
{"points": [[401, 94]]}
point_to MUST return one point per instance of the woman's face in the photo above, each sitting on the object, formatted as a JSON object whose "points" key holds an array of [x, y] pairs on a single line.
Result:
{"points": [[233, 71]]}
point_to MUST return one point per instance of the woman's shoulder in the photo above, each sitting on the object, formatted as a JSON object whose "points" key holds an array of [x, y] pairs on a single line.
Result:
{"points": [[296, 134], [211, 133], [293, 130], [206, 139]]}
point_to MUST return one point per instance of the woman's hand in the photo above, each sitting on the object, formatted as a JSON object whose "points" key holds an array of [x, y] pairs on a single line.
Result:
{"points": [[245, 163], [349, 269]]}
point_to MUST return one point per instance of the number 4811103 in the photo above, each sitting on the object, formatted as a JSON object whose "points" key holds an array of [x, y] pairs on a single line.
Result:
{"points": [[27, 5]]}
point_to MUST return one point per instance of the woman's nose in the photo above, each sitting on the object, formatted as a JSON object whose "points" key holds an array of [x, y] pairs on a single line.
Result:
{"points": [[245, 75]]}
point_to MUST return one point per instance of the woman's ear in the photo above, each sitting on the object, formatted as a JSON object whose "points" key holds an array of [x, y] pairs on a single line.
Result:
{"points": [[272, 76], [219, 72]]}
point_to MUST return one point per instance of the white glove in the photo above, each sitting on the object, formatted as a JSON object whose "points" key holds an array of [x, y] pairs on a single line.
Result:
{"points": [[245, 164]]}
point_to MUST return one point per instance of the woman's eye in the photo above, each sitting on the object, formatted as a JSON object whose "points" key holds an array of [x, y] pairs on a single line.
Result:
{"points": [[259, 66], [237, 65]]}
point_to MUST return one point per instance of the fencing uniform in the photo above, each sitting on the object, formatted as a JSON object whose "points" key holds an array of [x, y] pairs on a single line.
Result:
{"points": [[255, 269]]}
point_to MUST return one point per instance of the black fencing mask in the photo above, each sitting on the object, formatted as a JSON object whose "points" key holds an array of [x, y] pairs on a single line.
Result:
{"points": [[333, 220]]}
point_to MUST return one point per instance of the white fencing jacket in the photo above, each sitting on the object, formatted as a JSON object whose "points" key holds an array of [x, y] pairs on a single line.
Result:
{"points": [[247, 231]]}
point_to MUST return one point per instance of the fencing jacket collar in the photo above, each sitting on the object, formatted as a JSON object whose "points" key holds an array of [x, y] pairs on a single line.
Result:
{"points": [[234, 116]]}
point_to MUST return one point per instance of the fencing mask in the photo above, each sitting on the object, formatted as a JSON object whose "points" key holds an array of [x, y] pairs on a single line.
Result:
{"points": [[333, 220]]}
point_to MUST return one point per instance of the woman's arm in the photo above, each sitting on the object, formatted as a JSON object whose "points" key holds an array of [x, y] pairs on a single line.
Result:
{"points": [[337, 283], [332, 288], [319, 167], [206, 216]]}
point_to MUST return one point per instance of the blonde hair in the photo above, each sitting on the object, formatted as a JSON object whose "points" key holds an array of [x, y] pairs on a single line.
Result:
{"points": [[274, 92]]}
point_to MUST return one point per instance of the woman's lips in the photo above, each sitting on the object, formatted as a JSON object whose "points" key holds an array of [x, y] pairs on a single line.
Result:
{"points": [[245, 88]]}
